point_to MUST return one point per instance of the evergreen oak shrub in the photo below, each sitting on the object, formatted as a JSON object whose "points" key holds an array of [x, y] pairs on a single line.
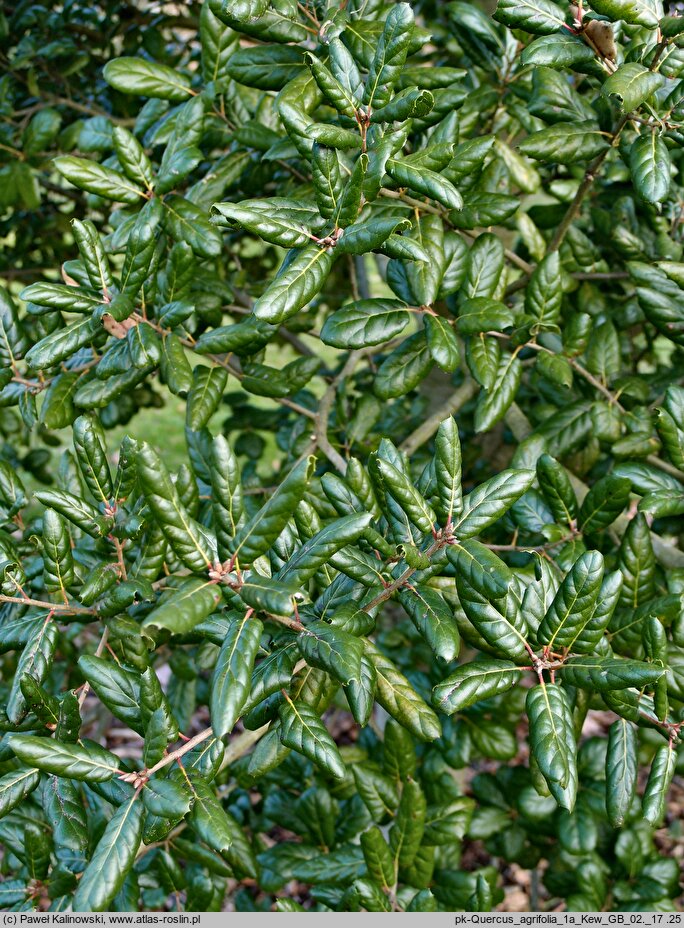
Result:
{"points": [[406, 621]]}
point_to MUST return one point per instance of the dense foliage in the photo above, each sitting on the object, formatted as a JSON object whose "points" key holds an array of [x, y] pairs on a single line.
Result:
{"points": [[407, 619]]}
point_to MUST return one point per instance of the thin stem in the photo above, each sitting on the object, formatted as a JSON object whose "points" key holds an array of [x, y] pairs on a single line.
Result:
{"points": [[98, 651], [324, 409], [574, 363], [179, 752], [665, 466], [65, 608], [544, 547], [244, 741], [226, 365], [428, 208], [589, 177], [452, 404], [401, 581]]}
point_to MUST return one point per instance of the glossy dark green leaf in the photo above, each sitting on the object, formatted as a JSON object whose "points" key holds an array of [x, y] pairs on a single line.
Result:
{"points": [[112, 860], [404, 368], [205, 395], [378, 857], [396, 695], [336, 93], [493, 405], [167, 797], [360, 692], [95, 178], [408, 103], [488, 502], [631, 85], [332, 649], [147, 79], [483, 569], [434, 620], [544, 293], [64, 807], [268, 67], [364, 323], [539, 16], [295, 285], [390, 55], [474, 681], [407, 829], [15, 786], [118, 688], [425, 277], [425, 182], [58, 562], [186, 223], [181, 531], [323, 547], [448, 470], [78, 762], [498, 620], [637, 564], [552, 741], [93, 253], [399, 488], [257, 535], [621, 770], [232, 674], [574, 603], [608, 598], [288, 223], [303, 731], [605, 673], [442, 342], [35, 661], [208, 817], [649, 164], [564, 143], [603, 503], [659, 780], [186, 607], [555, 484]]}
